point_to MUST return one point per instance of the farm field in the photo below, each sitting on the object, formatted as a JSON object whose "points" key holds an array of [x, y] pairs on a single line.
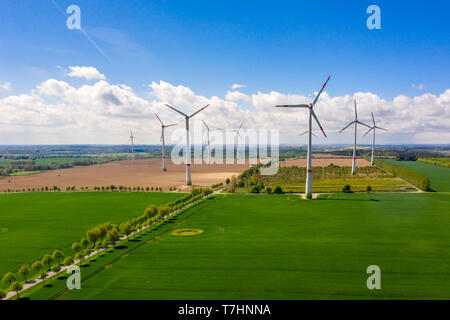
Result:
{"points": [[34, 224], [439, 176], [59, 160], [144, 173], [282, 247], [321, 160]]}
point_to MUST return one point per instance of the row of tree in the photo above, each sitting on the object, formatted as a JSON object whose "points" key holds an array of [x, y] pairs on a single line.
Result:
{"points": [[96, 238], [412, 177]]}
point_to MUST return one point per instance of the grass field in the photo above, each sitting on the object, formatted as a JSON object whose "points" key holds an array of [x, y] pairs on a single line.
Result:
{"points": [[33, 224], [58, 160], [439, 176], [23, 173], [281, 247]]}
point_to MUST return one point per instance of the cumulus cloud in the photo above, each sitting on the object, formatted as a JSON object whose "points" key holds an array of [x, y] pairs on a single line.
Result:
{"points": [[88, 73], [59, 112], [5, 85], [238, 86], [236, 96]]}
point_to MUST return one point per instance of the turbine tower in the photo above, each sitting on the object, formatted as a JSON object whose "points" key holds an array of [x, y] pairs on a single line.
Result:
{"points": [[208, 148], [163, 126], [372, 160], [132, 145], [188, 147], [355, 122], [312, 114]]}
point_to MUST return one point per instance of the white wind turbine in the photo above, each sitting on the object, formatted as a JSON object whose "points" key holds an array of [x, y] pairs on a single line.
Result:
{"points": [[355, 122], [163, 151], [188, 147], [238, 136], [309, 106], [372, 160], [132, 145]]}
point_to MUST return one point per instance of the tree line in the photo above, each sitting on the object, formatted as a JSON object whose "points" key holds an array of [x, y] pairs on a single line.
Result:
{"points": [[96, 238]]}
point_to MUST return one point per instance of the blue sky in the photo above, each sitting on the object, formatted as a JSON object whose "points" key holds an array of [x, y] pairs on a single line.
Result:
{"points": [[285, 46]]}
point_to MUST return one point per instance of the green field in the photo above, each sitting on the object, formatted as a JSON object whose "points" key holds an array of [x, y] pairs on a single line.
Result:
{"points": [[439, 176], [23, 173], [281, 247], [58, 160], [34, 224]]}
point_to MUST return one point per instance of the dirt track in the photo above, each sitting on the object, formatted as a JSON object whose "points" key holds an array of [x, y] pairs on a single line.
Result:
{"points": [[144, 173]]}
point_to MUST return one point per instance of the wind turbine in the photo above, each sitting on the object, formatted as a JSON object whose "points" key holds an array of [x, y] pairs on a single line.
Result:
{"points": [[372, 160], [237, 137], [188, 147], [163, 126], [355, 122], [312, 114], [208, 148], [132, 145]]}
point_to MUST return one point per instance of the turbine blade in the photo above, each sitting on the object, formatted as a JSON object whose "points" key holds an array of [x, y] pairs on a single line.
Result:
{"points": [[307, 132], [367, 131], [170, 125], [185, 115], [318, 122], [347, 126], [373, 119], [363, 124], [205, 125], [241, 125], [198, 111], [293, 106], [320, 92], [356, 113], [159, 119], [382, 128]]}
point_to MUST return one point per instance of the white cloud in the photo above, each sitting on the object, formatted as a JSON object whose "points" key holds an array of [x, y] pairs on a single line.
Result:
{"points": [[88, 73], [238, 86], [5, 86], [236, 96], [418, 86], [58, 112]]}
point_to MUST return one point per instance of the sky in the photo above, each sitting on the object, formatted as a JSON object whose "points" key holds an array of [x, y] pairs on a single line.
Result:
{"points": [[90, 85]]}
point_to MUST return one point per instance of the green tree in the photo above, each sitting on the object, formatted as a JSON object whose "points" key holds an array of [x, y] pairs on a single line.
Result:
{"points": [[76, 246], [24, 271], [346, 189], [113, 236], [126, 229], [67, 261], [16, 286], [227, 181], [47, 259], [9, 278], [84, 242], [57, 255], [37, 265], [368, 188], [278, 190], [2, 294], [93, 235]]}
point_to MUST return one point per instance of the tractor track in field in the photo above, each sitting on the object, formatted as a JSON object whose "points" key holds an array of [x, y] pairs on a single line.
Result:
{"points": [[126, 253]]}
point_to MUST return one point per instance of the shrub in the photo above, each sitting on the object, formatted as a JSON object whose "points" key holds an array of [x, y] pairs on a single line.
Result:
{"points": [[268, 190], [254, 189], [278, 190], [346, 189], [368, 188]]}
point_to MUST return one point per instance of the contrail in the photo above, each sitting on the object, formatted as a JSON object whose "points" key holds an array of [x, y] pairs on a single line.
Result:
{"points": [[84, 33]]}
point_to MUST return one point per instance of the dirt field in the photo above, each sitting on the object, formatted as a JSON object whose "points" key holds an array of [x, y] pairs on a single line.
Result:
{"points": [[323, 162], [144, 173]]}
